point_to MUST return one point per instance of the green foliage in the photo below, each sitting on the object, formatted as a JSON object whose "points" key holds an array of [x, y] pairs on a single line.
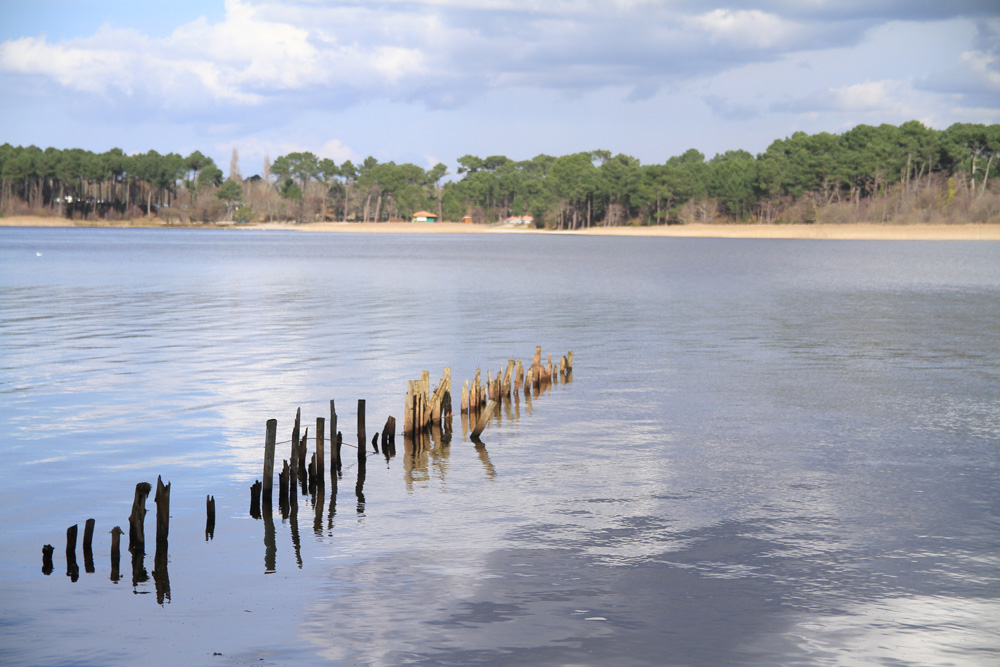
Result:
{"points": [[791, 180], [231, 191]]}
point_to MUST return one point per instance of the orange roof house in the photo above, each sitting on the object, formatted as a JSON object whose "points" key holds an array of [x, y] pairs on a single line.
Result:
{"points": [[425, 216]]}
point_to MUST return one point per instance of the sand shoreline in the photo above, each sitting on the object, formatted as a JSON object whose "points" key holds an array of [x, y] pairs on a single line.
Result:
{"points": [[853, 231]]}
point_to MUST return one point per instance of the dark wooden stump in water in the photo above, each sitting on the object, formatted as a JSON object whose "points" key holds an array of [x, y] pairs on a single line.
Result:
{"points": [[136, 531], [116, 554], [320, 451], [162, 499], [47, 559], [362, 436], [88, 551], [210, 513], [72, 569], [269, 439]]}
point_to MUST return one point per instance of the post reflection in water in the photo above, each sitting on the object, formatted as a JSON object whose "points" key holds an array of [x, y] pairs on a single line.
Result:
{"points": [[359, 487], [161, 578], [270, 543], [319, 500], [333, 500], [139, 574], [293, 524]]}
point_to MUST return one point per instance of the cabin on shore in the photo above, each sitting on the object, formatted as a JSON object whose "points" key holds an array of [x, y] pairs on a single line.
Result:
{"points": [[425, 216]]}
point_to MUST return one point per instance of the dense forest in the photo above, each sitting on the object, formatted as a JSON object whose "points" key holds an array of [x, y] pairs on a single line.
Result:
{"points": [[909, 173]]}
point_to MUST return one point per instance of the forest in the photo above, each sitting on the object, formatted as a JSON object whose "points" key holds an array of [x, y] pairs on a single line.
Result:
{"points": [[905, 174]]}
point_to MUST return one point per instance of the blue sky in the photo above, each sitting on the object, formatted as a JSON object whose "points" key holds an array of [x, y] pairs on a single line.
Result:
{"points": [[425, 81]]}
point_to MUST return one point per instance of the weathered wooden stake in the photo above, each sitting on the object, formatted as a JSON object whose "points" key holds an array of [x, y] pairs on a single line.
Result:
{"points": [[302, 470], [334, 445], [320, 451], [255, 499], [136, 530], [465, 398], [47, 566], [88, 551], [210, 512], [162, 500], [294, 458], [116, 554], [283, 483], [484, 419], [362, 436], [270, 435], [72, 569]]}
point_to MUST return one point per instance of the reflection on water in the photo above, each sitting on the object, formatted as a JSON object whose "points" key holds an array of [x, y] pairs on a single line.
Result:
{"points": [[773, 452]]}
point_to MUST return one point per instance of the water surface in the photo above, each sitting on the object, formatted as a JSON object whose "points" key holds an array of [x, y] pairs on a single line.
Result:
{"points": [[771, 452]]}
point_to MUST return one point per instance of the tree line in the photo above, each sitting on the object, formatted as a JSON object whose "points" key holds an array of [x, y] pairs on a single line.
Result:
{"points": [[884, 173]]}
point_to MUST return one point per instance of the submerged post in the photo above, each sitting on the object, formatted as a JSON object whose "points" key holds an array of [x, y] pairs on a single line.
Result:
{"points": [[136, 530], [362, 437], [116, 554], [334, 445], [210, 514], [484, 419], [162, 500], [320, 447], [270, 435], [88, 551]]}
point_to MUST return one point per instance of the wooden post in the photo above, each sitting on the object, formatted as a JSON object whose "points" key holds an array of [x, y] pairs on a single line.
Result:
{"points": [[465, 398], [446, 398], [72, 569], [408, 408], [88, 551], [484, 419], [47, 566], [507, 378], [362, 436], [302, 459], [283, 483], [340, 441], [162, 500], [116, 554], [136, 531], [294, 459], [334, 444], [255, 500], [320, 453], [270, 435], [569, 361], [210, 513]]}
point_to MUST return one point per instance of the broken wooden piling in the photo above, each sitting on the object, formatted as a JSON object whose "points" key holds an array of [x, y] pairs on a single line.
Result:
{"points": [[484, 419], [88, 551], [162, 500], [270, 435], [72, 569], [210, 513], [334, 443], [320, 451], [136, 531], [116, 554], [47, 566]]}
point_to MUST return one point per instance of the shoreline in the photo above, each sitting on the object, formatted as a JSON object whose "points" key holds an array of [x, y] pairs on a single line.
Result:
{"points": [[844, 232]]}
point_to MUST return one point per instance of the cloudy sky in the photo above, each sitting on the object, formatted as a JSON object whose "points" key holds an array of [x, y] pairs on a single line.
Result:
{"points": [[425, 81]]}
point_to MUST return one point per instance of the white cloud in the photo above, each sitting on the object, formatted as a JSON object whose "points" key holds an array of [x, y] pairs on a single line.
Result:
{"points": [[747, 28]]}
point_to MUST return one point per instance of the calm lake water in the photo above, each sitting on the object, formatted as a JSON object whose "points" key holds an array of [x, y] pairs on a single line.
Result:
{"points": [[771, 452]]}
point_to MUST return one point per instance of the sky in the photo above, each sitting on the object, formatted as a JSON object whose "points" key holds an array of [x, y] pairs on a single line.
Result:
{"points": [[427, 81]]}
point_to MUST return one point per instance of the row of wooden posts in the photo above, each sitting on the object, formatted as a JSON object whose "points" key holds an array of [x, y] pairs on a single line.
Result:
{"points": [[423, 410], [136, 540]]}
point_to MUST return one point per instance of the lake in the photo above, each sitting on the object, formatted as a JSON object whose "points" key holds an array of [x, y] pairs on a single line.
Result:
{"points": [[770, 452]]}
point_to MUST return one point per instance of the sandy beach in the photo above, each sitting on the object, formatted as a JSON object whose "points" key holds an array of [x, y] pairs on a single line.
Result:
{"points": [[859, 231]]}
